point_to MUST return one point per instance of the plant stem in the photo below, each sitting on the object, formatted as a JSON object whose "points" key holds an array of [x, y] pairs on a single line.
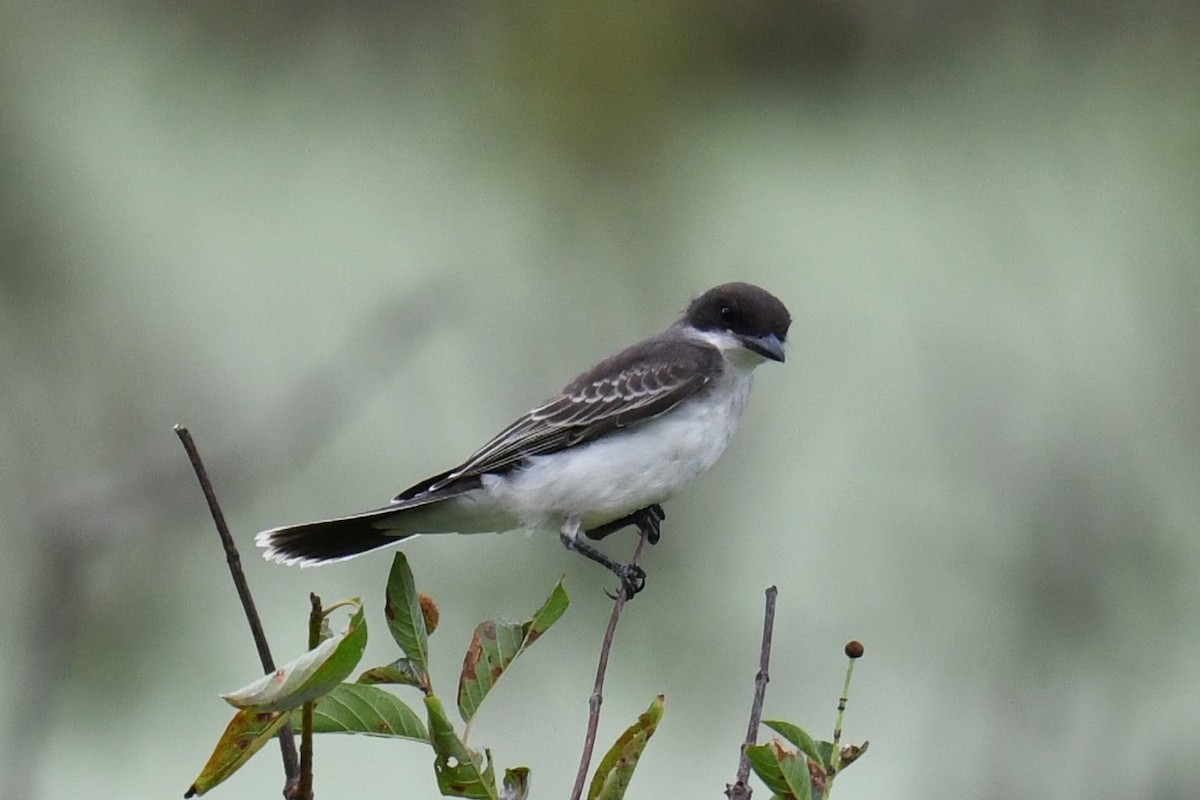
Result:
{"points": [[304, 785], [597, 698], [836, 759], [287, 742], [740, 790]]}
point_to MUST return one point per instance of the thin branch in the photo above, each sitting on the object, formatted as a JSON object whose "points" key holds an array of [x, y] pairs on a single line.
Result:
{"points": [[304, 786], [75, 528], [740, 790], [287, 742], [597, 698]]}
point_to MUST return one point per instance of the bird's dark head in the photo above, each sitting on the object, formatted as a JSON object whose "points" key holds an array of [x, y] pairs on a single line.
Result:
{"points": [[754, 317]]}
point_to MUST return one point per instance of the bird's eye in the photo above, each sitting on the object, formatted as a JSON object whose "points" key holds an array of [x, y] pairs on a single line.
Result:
{"points": [[727, 314]]}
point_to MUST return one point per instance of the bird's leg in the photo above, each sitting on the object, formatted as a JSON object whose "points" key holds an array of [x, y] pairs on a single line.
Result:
{"points": [[632, 577], [648, 521]]}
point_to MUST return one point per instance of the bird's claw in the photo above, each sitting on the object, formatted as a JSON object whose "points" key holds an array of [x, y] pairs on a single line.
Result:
{"points": [[633, 579]]}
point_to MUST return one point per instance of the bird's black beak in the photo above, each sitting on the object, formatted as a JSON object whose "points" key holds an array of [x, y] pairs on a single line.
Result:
{"points": [[767, 346]]}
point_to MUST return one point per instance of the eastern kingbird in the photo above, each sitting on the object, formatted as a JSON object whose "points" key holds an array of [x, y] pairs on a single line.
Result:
{"points": [[600, 455]]}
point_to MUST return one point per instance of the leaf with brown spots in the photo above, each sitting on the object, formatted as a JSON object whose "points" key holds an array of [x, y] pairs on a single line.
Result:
{"points": [[799, 737], [461, 771], [516, 784], [784, 770], [496, 644], [616, 768], [248, 731], [312, 674], [264, 705]]}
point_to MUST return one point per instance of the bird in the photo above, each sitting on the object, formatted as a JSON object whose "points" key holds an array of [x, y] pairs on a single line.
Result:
{"points": [[600, 455]]}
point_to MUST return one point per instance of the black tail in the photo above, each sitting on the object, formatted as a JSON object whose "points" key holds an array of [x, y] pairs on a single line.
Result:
{"points": [[328, 540]]}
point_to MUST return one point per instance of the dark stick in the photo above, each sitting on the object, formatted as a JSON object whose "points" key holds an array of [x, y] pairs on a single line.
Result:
{"points": [[287, 742], [740, 790], [597, 698], [304, 785]]}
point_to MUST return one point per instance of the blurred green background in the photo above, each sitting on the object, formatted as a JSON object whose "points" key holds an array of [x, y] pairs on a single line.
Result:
{"points": [[318, 235]]}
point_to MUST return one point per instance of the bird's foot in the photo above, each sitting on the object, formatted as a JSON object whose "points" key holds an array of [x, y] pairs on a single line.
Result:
{"points": [[647, 520], [632, 577]]}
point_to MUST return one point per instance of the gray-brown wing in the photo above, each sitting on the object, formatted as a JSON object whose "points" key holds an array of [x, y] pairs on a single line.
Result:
{"points": [[633, 386]]}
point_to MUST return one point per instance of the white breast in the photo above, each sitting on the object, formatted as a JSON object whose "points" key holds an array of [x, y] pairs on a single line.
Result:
{"points": [[628, 470]]}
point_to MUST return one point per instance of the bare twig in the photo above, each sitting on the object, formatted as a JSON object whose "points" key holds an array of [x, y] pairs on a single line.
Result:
{"points": [[740, 790], [77, 526], [597, 698], [287, 743], [304, 786]]}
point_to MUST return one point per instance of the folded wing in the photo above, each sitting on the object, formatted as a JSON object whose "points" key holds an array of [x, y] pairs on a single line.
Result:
{"points": [[636, 385]]}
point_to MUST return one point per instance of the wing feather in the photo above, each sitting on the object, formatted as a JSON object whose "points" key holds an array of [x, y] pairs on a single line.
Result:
{"points": [[636, 385]]}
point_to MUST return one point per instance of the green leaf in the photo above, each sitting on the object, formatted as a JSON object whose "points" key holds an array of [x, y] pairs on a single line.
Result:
{"points": [[496, 644], [246, 733], [784, 771], [797, 736], [403, 671], [516, 784], [794, 767], [369, 710], [310, 676], [825, 751], [766, 767], [616, 768], [461, 772], [403, 611]]}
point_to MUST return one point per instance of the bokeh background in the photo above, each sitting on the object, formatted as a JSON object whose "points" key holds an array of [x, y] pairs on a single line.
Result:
{"points": [[346, 244]]}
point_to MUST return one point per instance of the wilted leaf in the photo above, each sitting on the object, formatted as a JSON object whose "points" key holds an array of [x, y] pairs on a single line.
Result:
{"points": [[404, 617], [850, 754], [616, 768], [429, 612], [762, 761], [496, 644], [516, 784], [403, 671], [461, 772], [794, 767], [797, 736], [784, 771], [246, 733], [356, 708], [311, 675]]}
